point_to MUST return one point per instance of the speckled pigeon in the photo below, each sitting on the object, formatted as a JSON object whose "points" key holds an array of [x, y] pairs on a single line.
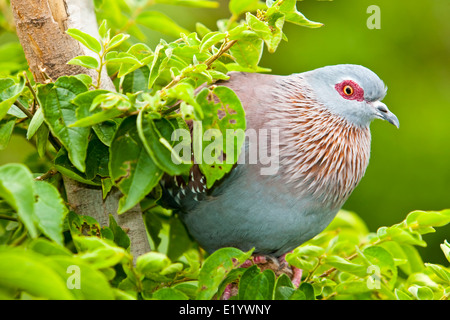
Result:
{"points": [[323, 118]]}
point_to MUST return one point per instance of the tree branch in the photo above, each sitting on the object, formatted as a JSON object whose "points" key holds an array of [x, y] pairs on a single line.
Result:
{"points": [[41, 28]]}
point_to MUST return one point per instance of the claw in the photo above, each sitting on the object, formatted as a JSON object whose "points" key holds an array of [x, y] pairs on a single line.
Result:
{"points": [[279, 265]]}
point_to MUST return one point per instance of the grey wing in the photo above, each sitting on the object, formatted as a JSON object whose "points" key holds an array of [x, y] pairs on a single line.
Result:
{"points": [[185, 193]]}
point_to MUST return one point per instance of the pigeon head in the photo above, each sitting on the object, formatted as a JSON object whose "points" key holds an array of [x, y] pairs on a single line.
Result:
{"points": [[352, 92]]}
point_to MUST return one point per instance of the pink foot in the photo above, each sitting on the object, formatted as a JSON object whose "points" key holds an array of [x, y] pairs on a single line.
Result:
{"points": [[297, 273], [227, 292], [297, 277], [254, 260]]}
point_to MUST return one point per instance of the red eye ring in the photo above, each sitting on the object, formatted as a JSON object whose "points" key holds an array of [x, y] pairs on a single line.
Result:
{"points": [[350, 90]]}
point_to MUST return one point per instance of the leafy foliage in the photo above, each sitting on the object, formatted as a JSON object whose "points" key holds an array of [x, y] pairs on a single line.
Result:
{"points": [[124, 139]]}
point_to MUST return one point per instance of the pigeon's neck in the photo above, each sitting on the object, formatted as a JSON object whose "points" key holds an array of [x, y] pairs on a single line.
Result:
{"points": [[321, 154]]}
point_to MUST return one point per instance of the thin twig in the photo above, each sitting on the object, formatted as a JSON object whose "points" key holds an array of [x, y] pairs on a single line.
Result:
{"points": [[5, 217], [28, 84], [22, 108], [55, 143], [224, 48], [330, 271], [173, 108], [50, 173]]}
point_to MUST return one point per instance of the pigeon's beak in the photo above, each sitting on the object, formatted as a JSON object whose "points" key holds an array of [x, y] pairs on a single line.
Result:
{"points": [[384, 113]]}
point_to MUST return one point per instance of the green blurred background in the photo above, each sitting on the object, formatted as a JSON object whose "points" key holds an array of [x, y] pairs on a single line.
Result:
{"points": [[409, 168]]}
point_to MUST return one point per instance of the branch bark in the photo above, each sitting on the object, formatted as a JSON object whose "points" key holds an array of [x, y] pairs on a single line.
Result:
{"points": [[41, 26]]}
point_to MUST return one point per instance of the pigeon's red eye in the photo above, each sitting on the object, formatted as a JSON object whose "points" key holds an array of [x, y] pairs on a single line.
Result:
{"points": [[350, 90]]}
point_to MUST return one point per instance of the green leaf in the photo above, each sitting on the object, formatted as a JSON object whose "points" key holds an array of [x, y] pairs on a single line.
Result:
{"points": [[201, 29], [309, 250], [153, 134], [283, 293], [401, 295], [169, 294], [60, 113], [6, 130], [158, 21], [230, 128], [440, 271], [383, 260], [191, 3], [16, 112], [237, 7], [308, 290], [261, 28], [172, 269], [92, 283], [30, 272], [304, 257], [103, 30], [406, 256], [434, 218], [421, 293], [89, 116], [97, 118], [271, 32], [87, 80], [35, 123], [298, 295], [105, 130], [17, 189], [86, 39], [186, 92], [247, 276], [211, 39], [120, 236], [179, 239], [142, 53], [123, 58], [117, 40], [63, 165], [300, 262], [215, 269], [446, 249], [83, 225], [187, 288], [48, 248], [97, 159], [259, 287], [397, 233], [236, 67], [107, 185], [289, 9], [136, 81], [50, 210], [348, 220], [158, 63], [9, 93], [85, 61], [347, 266], [42, 140], [352, 287], [151, 262], [248, 50], [100, 253], [130, 166]]}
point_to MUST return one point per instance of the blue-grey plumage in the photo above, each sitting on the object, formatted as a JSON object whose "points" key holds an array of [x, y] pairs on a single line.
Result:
{"points": [[322, 118]]}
